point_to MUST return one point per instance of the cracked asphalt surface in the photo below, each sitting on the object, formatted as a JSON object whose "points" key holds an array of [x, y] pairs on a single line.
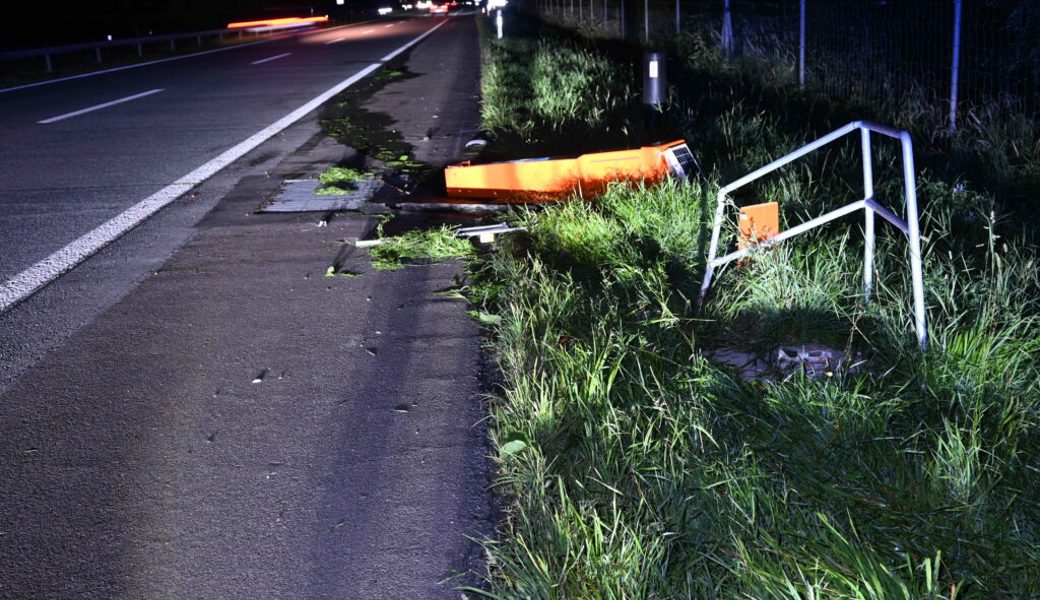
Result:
{"points": [[238, 425]]}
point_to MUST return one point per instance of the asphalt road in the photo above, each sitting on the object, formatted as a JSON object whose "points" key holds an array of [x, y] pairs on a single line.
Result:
{"points": [[59, 180], [197, 412]]}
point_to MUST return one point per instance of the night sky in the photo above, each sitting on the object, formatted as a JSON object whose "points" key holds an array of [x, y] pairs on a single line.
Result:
{"points": [[24, 26]]}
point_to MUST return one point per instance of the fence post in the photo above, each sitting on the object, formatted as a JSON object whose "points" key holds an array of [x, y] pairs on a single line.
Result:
{"points": [[47, 60], [955, 70], [97, 53], [677, 26], [801, 45], [727, 31], [868, 224], [646, 22]]}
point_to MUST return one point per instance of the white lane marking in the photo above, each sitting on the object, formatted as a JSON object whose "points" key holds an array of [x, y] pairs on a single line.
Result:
{"points": [[24, 284], [389, 25], [90, 109], [339, 39], [367, 31], [270, 58]]}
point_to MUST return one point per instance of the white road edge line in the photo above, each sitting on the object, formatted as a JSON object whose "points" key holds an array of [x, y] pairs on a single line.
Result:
{"points": [[90, 109], [390, 56], [270, 58], [172, 58], [24, 284]]}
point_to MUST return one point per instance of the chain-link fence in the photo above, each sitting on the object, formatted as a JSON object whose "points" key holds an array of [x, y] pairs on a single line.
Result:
{"points": [[948, 54]]}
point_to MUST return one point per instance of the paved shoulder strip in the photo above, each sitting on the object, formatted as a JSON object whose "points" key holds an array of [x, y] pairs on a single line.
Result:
{"points": [[27, 282], [98, 107]]}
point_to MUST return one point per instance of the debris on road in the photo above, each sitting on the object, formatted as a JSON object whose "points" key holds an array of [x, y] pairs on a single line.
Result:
{"points": [[815, 360]]}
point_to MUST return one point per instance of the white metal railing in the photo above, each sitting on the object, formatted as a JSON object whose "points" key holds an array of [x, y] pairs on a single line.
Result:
{"points": [[869, 205]]}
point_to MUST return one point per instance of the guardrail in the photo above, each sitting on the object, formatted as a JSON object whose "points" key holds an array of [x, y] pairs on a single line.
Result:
{"points": [[868, 204], [138, 42]]}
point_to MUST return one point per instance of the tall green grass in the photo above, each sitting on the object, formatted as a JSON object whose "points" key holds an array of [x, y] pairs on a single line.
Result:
{"points": [[562, 82], [648, 471], [635, 467]]}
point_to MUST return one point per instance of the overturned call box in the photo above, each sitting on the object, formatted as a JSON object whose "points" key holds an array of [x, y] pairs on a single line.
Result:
{"points": [[554, 178]]}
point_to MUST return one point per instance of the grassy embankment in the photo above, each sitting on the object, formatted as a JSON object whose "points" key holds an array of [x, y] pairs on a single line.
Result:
{"points": [[636, 468]]}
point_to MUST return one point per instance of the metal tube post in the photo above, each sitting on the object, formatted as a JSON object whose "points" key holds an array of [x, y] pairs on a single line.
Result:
{"points": [[727, 30], [801, 45], [709, 270], [955, 71], [910, 190], [140, 50], [646, 22], [47, 60], [97, 53], [868, 224], [678, 27]]}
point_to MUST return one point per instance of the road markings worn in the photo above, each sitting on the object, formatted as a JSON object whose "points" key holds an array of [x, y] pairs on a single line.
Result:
{"points": [[91, 109], [270, 58], [339, 39], [24, 284]]}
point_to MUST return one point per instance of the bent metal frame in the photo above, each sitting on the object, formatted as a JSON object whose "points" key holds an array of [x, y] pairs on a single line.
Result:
{"points": [[870, 206]]}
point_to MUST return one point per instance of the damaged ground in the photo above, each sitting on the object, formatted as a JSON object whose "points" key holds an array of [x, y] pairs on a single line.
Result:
{"points": [[246, 423]]}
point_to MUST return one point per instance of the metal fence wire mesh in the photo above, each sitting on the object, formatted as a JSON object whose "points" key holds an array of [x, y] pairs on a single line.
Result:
{"points": [[877, 50]]}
